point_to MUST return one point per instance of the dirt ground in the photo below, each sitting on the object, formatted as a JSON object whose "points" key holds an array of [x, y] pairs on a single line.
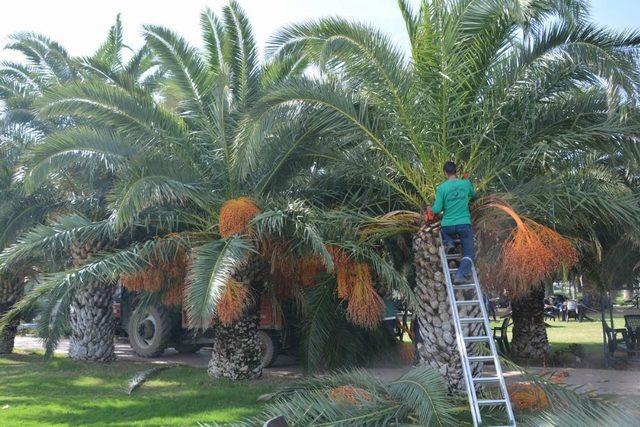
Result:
{"points": [[601, 381]]}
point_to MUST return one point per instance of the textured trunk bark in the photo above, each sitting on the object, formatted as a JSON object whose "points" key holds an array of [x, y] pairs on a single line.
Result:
{"points": [[438, 347], [10, 292], [529, 333], [92, 323], [236, 353]]}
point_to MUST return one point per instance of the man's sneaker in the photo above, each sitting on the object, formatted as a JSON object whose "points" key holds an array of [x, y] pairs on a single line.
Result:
{"points": [[449, 248]]}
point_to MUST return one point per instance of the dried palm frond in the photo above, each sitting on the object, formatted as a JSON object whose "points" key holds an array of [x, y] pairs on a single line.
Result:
{"points": [[235, 216], [531, 253], [392, 223], [234, 299]]}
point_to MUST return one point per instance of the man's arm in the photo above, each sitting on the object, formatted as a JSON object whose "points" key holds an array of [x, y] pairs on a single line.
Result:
{"points": [[438, 203], [472, 191]]}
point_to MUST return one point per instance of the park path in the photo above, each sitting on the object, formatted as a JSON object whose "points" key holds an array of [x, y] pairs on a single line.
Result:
{"points": [[601, 381]]}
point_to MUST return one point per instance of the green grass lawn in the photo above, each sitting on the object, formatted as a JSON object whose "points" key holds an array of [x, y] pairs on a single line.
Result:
{"points": [[587, 334], [62, 392]]}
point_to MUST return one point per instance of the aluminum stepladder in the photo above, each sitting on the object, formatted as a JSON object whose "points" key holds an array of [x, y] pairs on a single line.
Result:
{"points": [[462, 341]]}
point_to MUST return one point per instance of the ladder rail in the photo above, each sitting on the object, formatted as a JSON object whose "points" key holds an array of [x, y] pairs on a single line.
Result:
{"points": [[462, 346], [492, 346], [461, 340]]}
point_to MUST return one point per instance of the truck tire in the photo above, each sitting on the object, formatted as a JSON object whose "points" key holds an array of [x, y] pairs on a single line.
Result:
{"points": [[269, 348], [150, 331]]}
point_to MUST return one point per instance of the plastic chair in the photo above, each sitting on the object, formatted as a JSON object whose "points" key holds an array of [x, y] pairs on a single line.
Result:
{"points": [[501, 337]]}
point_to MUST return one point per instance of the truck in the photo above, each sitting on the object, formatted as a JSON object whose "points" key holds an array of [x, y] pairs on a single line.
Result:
{"points": [[152, 328]]}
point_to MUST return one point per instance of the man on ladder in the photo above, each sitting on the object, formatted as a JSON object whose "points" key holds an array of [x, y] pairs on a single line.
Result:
{"points": [[469, 314], [452, 198]]}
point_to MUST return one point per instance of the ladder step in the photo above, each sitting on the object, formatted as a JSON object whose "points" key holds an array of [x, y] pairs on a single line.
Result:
{"points": [[454, 256], [478, 338], [472, 320], [465, 286], [468, 302], [491, 402], [481, 359], [485, 380]]}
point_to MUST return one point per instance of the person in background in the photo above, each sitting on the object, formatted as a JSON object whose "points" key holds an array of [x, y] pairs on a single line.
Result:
{"points": [[452, 200], [490, 306]]}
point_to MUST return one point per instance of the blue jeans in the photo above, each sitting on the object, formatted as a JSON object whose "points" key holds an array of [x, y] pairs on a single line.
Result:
{"points": [[465, 233]]}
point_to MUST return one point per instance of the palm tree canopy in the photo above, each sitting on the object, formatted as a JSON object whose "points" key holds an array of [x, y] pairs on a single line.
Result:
{"points": [[532, 100]]}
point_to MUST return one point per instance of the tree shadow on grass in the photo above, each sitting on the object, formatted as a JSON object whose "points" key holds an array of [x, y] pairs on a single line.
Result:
{"points": [[70, 393]]}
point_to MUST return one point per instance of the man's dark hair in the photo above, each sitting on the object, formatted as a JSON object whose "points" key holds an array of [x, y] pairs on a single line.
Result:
{"points": [[450, 168]]}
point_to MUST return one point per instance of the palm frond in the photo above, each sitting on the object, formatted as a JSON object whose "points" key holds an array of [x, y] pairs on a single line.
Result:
{"points": [[211, 266]]}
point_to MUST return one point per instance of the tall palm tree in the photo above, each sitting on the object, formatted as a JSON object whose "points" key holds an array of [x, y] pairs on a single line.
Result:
{"points": [[177, 165], [520, 94]]}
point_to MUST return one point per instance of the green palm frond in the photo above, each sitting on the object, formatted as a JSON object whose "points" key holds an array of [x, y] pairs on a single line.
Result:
{"points": [[214, 40], [211, 266], [419, 396], [55, 239], [159, 185], [110, 52], [78, 147], [103, 268], [187, 69], [139, 117], [48, 57], [242, 55]]}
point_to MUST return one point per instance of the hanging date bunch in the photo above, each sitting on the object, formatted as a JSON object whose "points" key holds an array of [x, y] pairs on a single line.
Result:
{"points": [[164, 274], [235, 215], [364, 306], [531, 253]]}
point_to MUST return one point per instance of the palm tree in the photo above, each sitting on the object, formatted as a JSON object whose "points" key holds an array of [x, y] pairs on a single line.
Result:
{"points": [[82, 192], [178, 167], [521, 94], [20, 129]]}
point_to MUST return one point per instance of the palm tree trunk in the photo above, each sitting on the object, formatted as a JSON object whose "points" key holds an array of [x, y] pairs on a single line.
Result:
{"points": [[236, 353], [10, 292], [92, 322], [529, 333], [438, 347]]}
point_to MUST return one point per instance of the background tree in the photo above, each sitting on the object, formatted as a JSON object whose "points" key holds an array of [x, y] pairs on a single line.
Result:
{"points": [[80, 192], [176, 164], [21, 85]]}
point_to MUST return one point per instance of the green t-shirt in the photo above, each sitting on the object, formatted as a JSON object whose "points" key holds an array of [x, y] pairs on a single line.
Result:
{"points": [[452, 197]]}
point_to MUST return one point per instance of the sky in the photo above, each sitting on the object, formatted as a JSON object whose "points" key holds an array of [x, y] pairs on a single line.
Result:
{"points": [[81, 25]]}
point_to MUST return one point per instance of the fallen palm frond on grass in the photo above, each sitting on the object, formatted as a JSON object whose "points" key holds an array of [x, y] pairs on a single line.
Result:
{"points": [[142, 377], [419, 397], [358, 398]]}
